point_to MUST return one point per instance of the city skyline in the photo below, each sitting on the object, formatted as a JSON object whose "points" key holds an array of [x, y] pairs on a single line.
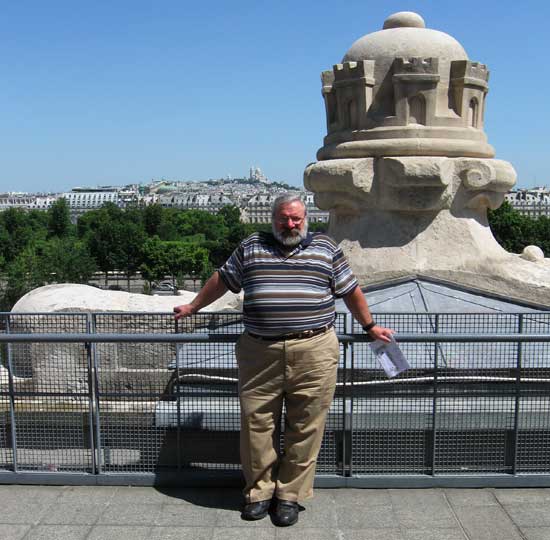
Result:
{"points": [[264, 181], [122, 93]]}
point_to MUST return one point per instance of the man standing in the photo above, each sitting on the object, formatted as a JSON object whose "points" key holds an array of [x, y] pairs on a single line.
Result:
{"points": [[288, 353]]}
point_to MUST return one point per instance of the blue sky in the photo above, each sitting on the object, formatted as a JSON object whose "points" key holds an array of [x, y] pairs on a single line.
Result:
{"points": [[114, 92]]}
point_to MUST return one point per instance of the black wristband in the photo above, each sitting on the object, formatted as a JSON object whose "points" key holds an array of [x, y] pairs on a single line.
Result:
{"points": [[369, 327]]}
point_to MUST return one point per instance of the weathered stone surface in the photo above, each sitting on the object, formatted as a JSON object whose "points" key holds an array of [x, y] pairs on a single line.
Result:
{"points": [[71, 297], [533, 254], [344, 184]]}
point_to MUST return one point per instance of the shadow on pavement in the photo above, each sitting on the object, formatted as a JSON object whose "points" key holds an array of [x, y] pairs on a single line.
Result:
{"points": [[223, 498]]}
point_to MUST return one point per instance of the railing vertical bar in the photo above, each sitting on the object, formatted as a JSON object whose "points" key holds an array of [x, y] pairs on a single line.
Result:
{"points": [[11, 387], [179, 347], [97, 408], [434, 399], [344, 469], [519, 358], [351, 393], [91, 394]]}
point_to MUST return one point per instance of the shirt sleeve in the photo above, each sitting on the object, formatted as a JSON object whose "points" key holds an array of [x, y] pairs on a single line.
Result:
{"points": [[343, 279], [231, 272]]}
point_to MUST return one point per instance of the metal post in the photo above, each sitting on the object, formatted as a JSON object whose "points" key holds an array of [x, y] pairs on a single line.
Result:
{"points": [[96, 409], [348, 432], [12, 401], [344, 471], [178, 386], [434, 399], [91, 394], [517, 395]]}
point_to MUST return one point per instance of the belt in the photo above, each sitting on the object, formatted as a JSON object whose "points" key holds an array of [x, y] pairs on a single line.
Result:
{"points": [[304, 334]]}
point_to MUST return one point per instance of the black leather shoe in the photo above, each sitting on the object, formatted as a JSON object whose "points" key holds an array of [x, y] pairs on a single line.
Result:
{"points": [[256, 510], [286, 513]]}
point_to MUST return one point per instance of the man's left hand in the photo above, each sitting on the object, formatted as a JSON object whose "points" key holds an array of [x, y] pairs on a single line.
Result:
{"points": [[381, 333]]}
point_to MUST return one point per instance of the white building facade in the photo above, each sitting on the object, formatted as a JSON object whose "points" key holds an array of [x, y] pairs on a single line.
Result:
{"points": [[530, 202]]}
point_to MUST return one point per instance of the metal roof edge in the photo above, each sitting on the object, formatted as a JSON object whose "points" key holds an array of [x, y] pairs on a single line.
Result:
{"points": [[413, 278]]}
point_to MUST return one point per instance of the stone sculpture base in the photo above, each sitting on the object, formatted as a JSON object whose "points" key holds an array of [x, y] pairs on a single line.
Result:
{"points": [[404, 216]]}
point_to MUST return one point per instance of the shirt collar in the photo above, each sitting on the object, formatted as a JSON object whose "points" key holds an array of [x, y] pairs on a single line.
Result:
{"points": [[306, 241]]}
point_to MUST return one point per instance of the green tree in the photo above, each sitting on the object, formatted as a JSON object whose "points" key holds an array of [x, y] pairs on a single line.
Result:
{"points": [[102, 232], [318, 227], [198, 221], [128, 251], [152, 219], [4, 242], [65, 260], [174, 259], [19, 229], [59, 219], [543, 234], [37, 220], [168, 226], [24, 274], [185, 259], [57, 260], [153, 267], [512, 230], [231, 217], [85, 224], [250, 228]]}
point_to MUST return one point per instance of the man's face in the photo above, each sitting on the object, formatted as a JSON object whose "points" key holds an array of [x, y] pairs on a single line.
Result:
{"points": [[290, 224]]}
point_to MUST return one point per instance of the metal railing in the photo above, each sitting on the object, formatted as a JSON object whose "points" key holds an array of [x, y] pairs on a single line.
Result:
{"points": [[136, 398]]}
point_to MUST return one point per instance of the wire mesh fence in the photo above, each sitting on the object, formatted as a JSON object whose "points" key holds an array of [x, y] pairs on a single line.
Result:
{"points": [[138, 393], [6, 455]]}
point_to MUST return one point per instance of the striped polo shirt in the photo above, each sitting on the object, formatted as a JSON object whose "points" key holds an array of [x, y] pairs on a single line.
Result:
{"points": [[288, 290]]}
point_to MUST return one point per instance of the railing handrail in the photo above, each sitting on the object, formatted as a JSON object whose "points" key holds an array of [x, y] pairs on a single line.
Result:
{"points": [[207, 313], [212, 337]]}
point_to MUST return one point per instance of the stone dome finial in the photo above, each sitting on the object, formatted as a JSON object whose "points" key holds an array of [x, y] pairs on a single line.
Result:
{"points": [[404, 19], [406, 90]]}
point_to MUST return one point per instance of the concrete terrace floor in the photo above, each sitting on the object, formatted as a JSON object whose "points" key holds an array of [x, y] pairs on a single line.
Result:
{"points": [[136, 513]]}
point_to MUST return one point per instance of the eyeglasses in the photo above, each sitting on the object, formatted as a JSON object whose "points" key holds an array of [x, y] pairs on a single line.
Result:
{"points": [[295, 220]]}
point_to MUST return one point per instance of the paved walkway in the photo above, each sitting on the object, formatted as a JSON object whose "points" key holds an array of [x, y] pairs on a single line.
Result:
{"points": [[136, 513]]}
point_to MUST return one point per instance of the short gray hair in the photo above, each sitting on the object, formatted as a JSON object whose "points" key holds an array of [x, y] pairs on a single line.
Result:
{"points": [[286, 198]]}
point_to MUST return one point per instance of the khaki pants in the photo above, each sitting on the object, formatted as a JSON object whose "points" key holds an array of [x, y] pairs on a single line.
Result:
{"points": [[302, 373]]}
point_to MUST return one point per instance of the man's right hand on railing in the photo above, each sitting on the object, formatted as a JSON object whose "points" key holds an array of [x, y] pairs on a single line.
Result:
{"points": [[185, 310], [213, 289]]}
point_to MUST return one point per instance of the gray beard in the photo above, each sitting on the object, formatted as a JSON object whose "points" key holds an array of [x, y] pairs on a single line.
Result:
{"points": [[293, 239]]}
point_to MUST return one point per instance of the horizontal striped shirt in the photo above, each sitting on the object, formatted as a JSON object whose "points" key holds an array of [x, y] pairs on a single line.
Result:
{"points": [[288, 290]]}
